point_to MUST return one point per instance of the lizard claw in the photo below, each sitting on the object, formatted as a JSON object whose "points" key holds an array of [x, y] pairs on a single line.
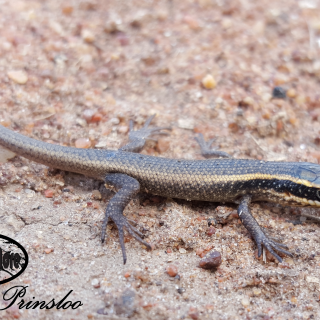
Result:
{"points": [[271, 245], [121, 222]]}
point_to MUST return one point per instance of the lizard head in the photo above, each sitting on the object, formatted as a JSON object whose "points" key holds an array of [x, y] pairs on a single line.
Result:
{"points": [[307, 190]]}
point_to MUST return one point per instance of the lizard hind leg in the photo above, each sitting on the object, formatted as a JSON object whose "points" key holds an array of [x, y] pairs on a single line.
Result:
{"points": [[137, 139], [256, 232], [206, 150], [127, 187]]}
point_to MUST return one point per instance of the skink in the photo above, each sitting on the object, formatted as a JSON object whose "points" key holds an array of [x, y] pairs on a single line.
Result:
{"points": [[228, 180]]}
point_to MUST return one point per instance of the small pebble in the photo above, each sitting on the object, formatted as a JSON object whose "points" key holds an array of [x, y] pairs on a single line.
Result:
{"points": [[200, 253], [193, 313], [291, 93], [123, 129], [48, 250], [209, 82], [114, 121], [87, 36], [48, 193], [211, 231], [181, 290], [245, 302], [67, 10], [5, 123], [81, 122], [182, 250], [279, 93], [136, 23], [186, 124], [256, 291], [18, 76], [247, 101], [87, 114], [97, 117], [172, 270], [83, 143], [211, 260], [96, 194], [95, 283]]}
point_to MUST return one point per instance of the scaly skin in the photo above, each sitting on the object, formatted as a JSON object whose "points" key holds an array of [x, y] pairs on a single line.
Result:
{"points": [[232, 180]]}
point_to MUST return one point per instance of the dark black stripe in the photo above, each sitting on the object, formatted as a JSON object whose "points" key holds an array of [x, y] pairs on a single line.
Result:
{"points": [[279, 186]]}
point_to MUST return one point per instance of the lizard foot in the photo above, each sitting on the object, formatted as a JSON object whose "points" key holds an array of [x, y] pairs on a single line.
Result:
{"points": [[206, 149], [256, 231], [270, 245], [138, 138], [122, 222]]}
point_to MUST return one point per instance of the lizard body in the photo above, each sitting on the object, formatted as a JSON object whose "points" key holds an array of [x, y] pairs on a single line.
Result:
{"points": [[218, 180]]}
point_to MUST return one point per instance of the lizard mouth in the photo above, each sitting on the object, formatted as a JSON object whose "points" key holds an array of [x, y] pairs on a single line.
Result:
{"points": [[302, 201], [293, 200]]}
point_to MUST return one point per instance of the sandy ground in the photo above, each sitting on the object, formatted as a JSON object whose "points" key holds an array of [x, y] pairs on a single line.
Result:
{"points": [[74, 73]]}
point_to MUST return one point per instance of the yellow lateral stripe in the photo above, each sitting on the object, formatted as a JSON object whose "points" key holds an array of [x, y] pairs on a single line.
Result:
{"points": [[214, 178]]}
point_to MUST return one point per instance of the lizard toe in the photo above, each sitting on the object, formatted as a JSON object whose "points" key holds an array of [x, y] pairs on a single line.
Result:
{"points": [[137, 235], [271, 246], [121, 240]]}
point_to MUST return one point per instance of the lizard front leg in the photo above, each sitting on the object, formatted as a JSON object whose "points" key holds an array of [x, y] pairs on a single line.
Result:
{"points": [[126, 188], [256, 232]]}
